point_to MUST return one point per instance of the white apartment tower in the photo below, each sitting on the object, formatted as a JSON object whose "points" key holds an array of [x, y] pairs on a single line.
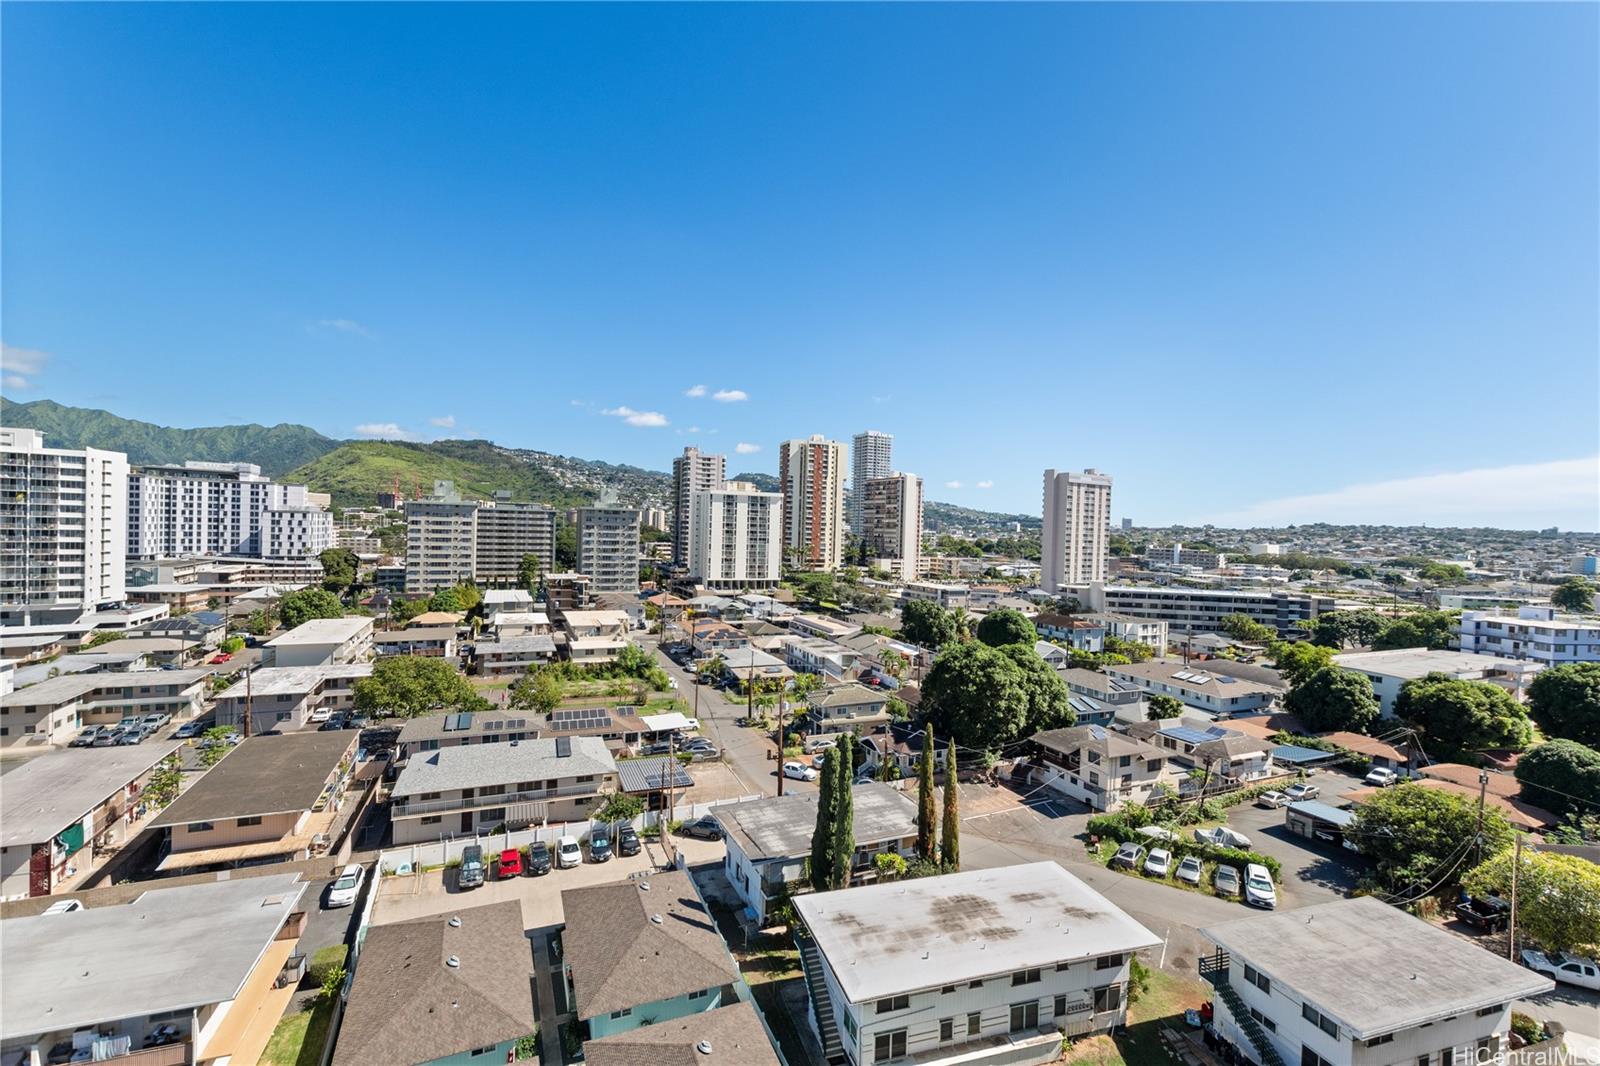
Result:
{"points": [[734, 537], [870, 459], [441, 539], [608, 547], [221, 509], [811, 475], [63, 514], [506, 532], [892, 522], [1077, 522], [692, 472]]}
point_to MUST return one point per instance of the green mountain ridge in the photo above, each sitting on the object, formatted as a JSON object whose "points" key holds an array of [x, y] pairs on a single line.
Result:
{"points": [[355, 472]]}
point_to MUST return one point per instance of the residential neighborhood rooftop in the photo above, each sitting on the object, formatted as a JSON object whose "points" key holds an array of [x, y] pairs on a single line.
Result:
{"points": [[728, 1036], [1419, 662], [503, 763], [1374, 968], [45, 794], [323, 631], [263, 775], [1219, 678], [66, 687], [776, 827], [291, 680], [885, 939]]}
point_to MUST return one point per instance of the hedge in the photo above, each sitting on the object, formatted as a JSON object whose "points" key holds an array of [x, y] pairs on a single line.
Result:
{"points": [[1113, 827]]}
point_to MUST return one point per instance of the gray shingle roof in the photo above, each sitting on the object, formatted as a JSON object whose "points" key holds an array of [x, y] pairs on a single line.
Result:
{"points": [[780, 826], [505, 763], [735, 1035]]}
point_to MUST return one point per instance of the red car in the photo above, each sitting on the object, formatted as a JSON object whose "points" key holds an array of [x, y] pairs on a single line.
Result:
{"points": [[221, 657], [510, 864]]}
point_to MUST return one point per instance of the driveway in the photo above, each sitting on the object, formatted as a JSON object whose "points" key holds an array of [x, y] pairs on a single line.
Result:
{"points": [[324, 928]]}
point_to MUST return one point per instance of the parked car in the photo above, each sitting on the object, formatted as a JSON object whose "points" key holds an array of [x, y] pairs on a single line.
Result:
{"points": [[346, 887], [568, 853], [510, 864], [599, 844], [156, 721], [1569, 969], [800, 771], [696, 744], [87, 738], [110, 736], [1302, 791], [1128, 856], [1155, 832], [356, 721], [66, 906], [1222, 837], [1273, 798], [1226, 880], [130, 736], [471, 874], [320, 715], [222, 657], [191, 729], [1258, 888], [1188, 870], [1159, 862], [702, 754], [704, 828], [659, 747], [538, 858], [1381, 776], [335, 721], [1489, 913], [627, 841]]}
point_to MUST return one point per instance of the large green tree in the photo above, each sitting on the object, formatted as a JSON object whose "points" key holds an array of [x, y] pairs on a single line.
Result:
{"points": [[1333, 699], [1565, 700], [1457, 718], [340, 569], [539, 691], [977, 696], [929, 625], [1337, 629], [1048, 697], [1299, 660], [301, 606], [1420, 629], [1558, 896], [529, 571], [1421, 838], [1574, 594], [409, 685], [1163, 707], [842, 762], [1006, 625], [927, 813], [1561, 776], [821, 867], [1243, 627]]}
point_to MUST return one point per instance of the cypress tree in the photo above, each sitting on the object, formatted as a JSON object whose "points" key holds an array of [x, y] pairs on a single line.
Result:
{"points": [[927, 816], [822, 834], [844, 813], [950, 835]]}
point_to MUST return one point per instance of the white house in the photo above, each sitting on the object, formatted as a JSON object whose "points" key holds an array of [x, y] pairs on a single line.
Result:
{"points": [[1357, 982], [1095, 766], [322, 642], [987, 967]]}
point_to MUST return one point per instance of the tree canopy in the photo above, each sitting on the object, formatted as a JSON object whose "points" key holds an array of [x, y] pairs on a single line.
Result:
{"points": [[926, 623], [1458, 717], [1416, 835], [1565, 700], [1573, 594], [538, 690], [1048, 706], [1558, 897], [1420, 629], [1243, 627], [301, 606], [529, 571], [1006, 625], [1163, 707], [977, 696], [1300, 660], [1562, 776], [340, 569], [1333, 699], [409, 685]]}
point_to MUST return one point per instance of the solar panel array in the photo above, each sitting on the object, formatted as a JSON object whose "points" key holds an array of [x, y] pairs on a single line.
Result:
{"points": [[1197, 678], [581, 718]]}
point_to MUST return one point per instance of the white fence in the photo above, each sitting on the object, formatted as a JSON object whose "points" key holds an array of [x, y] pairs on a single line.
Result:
{"points": [[414, 858]]}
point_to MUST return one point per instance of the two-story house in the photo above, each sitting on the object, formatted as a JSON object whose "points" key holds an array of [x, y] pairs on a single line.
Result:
{"points": [[843, 708], [477, 788], [595, 636], [1095, 766], [1230, 689], [818, 655], [989, 966], [1075, 631], [322, 641], [1228, 756], [514, 656], [1302, 986]]}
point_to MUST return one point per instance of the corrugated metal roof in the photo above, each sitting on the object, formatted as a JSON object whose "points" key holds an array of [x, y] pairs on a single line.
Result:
{"points": [[650, 775]]}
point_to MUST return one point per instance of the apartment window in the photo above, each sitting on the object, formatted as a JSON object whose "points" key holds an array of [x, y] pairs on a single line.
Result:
{"points": [[1108, 998], [475, 1052], [432, 819], [974, 984], [947, 1030], [1024, 977], [893, 1003], [1108, 962], [1060, 966], [1311, 1058], [974, 1023], [1024, 1016], [1386, 1038], [1060, 1006], [890, 1045], [1315, 1017], [623, 1013], [1259, 979], [247, 822], [201, 827], [702, 994], [1262, 1020], [1486, 1011], [947, 989]]}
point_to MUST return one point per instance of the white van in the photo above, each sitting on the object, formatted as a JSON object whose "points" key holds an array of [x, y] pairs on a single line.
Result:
{"points": [[568, 853]]}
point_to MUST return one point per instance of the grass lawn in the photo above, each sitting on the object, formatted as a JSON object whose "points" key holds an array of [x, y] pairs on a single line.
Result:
{"points": [[1162, 1004], [299, 1038]]}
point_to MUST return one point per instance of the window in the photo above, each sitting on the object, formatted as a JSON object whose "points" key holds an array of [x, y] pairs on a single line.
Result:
{"points": [[974, 1023], [1060, 1005], [475, 1052], [1312, 1015], [1485, 1012], [1311, 1058], [702, 994], [1060, 966], [247, 822], [432, 819], [623, 1013], [974, 984], [1387, 1038], [893, 1003], [1108, 998], [1024, 977], [947, 989], [947, 1030], [1108, 962], [1024, 1016], [1261, 1019], [201, 827], [1260, 980], [890, 1045]]}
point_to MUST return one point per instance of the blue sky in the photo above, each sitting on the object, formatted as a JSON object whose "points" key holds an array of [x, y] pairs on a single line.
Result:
{"points": [[1265, 262]]}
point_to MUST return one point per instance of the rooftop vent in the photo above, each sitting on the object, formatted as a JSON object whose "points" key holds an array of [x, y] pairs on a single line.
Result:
{"points": [[655, 919], [644, 886], [453, 962], [704, 1047], [455, 921]]}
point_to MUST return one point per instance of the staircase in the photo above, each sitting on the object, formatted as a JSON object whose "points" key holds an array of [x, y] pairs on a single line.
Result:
{"points": [[821, 1003], [1214, 968]]}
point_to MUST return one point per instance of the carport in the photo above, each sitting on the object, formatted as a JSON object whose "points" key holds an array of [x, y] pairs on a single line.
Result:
{"points": [[1293, 755], [1318, 821]]}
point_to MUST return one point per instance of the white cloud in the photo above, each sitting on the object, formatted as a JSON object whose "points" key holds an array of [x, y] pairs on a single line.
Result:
{"points": [[746, 448], [443, 422], [693, 429], [1563, 492], [345, 325], [952, 484], [730, 395], [384, 431], [21, 365], [695, 391], [650, 419], [985, 484]]}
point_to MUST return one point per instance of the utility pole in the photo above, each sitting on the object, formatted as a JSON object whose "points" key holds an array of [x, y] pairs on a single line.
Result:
{"points": [[1483, 790], [1511, 927], [249, 701], [781, 703]]}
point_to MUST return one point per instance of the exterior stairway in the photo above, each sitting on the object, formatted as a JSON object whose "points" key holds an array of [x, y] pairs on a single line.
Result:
{"points": [[1214, 968], [821, 1002]]}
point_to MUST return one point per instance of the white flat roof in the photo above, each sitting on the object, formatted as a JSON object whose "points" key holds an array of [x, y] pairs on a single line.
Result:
{"points": [[323, 631], [1419, 662], [883, 940], [48, 793]]}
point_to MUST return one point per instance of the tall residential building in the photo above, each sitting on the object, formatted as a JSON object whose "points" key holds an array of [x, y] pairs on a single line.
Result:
{"points": [[811, 474], [892, 522], [692, 472], [441, 539], [734, 537], [1077, 520], [870, 459], [199, 509], [608, 548], [63, 515], [506, 532]]}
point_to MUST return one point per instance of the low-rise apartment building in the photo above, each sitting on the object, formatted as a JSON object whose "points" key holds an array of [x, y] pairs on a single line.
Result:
{"points": [[1201, 610], [733, 1035], [1538, 634], [270, 799], [502, 601], [847, 708], [769, 840], [430, 732], [53, 711], [595, 636], [988, 967], [60, 804], [1390, 670], [1074, 631], [817, 625], [477, 788], [1215, 691], [1288, 988], [945, 594], [434, 643], [514, 655], [178, 976], [1105, 770], [816, 655], [509, 624], [322, 642], [286, 698]]}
